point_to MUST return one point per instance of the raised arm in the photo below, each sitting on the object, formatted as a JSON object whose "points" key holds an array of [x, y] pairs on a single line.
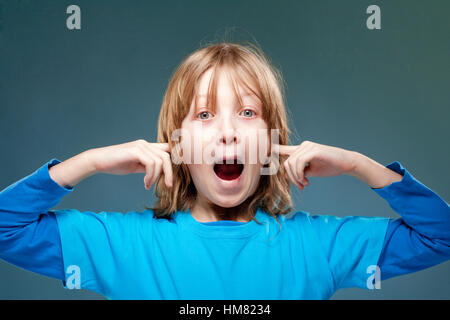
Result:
{"points": [[29, 236], [417, 240], [421, 237], [29, 233]]}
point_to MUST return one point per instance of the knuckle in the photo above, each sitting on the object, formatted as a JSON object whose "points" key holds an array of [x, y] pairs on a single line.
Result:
{"points": [[306, 143], [166, 156], [139, 142]]}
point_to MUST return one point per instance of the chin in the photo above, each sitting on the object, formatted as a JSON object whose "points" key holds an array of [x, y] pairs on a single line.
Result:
{"points": [[227, 201]]}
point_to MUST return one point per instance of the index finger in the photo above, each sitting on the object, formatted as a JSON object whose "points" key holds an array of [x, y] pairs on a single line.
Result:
{"points": [[162, 146], [283, 149]]}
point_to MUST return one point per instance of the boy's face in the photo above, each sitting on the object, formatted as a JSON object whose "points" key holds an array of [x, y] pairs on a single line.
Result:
{"points": [[222, 149]]}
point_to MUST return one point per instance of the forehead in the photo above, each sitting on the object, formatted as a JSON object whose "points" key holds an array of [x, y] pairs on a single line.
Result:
{"points": [[242, 93], [225, 85]]}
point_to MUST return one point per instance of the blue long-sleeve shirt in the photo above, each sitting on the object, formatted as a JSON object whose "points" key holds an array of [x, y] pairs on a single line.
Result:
{"points": [[30, 238]]}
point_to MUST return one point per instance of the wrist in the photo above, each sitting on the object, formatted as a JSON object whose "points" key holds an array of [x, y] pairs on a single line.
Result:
{"points": [[373, 173], [89, 162], [356, 160], [73, 170]]}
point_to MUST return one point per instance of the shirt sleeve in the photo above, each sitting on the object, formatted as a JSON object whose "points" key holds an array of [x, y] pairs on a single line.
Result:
{"points": [[421, 237], [29, 235], [99, 246]]}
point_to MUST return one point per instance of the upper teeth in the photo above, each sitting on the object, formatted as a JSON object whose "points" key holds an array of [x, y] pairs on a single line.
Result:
{"points": [[229, 161]]}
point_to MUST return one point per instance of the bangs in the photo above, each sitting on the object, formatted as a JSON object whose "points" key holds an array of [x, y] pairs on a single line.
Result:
{"points": [[243, 79]]}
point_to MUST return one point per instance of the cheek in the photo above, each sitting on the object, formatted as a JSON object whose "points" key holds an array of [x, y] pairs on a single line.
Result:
{"points": [[197, 143], [257, 147], [196, 175], [193, 173], [253, 178]]}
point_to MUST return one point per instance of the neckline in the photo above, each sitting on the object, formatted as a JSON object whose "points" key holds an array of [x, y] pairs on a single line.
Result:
{"points": [[223, 223], [242, 230]]}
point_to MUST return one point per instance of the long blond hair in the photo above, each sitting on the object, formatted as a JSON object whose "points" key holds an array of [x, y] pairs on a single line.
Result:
{"points": [[246, 61]]}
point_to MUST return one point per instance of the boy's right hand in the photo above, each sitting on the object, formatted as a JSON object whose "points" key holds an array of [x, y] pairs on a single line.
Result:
{"points": [[137, 156]]}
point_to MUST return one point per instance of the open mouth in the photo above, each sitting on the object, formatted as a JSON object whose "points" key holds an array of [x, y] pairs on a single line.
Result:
{"points": [[228, 171]]}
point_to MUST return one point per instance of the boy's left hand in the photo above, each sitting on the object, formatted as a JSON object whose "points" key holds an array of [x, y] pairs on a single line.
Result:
{"points": [[314, 160]]}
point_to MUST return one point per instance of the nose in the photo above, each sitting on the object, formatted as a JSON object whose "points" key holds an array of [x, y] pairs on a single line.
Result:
{"points": [[228, 133], [228, 137]]}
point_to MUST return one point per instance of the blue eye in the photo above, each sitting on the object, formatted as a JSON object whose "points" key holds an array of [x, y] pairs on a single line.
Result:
{"points": [[204, 115], [248, 113]]}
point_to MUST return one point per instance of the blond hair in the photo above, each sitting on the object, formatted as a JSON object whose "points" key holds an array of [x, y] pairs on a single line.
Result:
{"points": [[247, 63]]}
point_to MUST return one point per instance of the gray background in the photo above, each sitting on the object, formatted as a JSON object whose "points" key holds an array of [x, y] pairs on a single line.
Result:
{"points": [[383, 93]]}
